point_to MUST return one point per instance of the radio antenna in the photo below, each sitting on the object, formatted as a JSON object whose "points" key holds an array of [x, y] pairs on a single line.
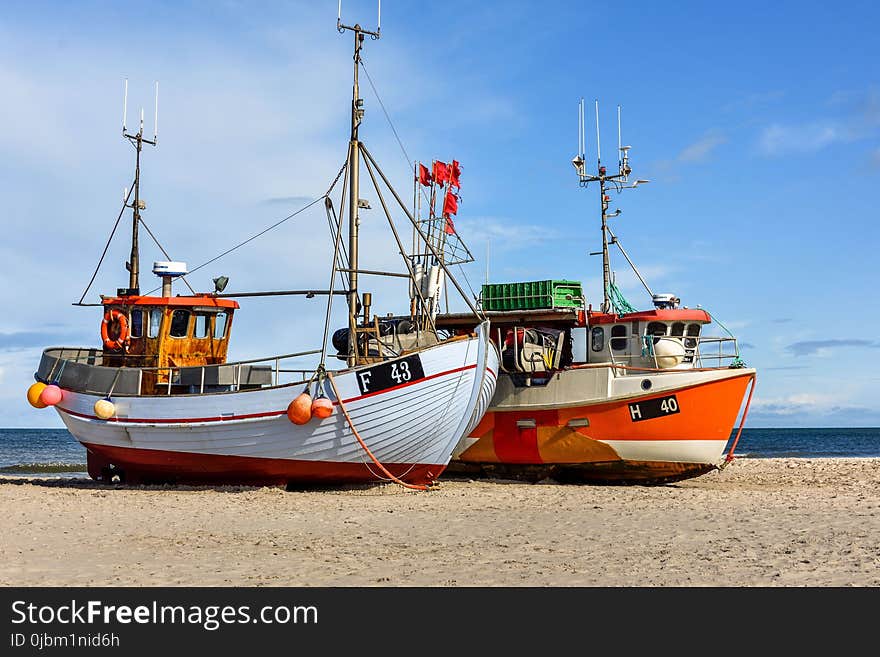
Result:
{"points": [[606, 181], [124, 105], [137, 140], [619, 149], [341, 27], [156, 117]]}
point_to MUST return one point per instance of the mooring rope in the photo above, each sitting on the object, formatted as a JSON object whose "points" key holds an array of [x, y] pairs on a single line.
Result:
{"points": [[364, 445]]}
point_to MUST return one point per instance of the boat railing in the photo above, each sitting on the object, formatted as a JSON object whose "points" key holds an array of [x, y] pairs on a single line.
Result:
{"points": [[699, 352], [83, 370]]}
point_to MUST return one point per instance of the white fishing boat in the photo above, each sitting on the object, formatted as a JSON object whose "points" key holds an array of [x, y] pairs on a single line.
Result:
{"points": [[161, 403]]}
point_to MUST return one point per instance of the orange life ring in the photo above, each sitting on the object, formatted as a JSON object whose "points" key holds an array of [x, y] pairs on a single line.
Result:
{"points": [[113, 315]]}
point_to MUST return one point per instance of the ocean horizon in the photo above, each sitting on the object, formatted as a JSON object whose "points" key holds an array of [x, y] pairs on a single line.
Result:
{"points": [[55, 452]]}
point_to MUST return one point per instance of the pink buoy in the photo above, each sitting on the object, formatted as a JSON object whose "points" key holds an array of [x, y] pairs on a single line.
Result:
{"points": [[299, 411], [322, 408], [51, 395]]}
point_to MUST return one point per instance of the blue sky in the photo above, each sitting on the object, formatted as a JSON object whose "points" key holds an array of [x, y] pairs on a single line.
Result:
{"points": [[757, 123]]}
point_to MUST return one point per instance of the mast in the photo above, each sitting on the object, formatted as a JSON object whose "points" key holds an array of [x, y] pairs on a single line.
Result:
{"points": [[606, 181], [134, 258], [137, 140], [357, 115]]}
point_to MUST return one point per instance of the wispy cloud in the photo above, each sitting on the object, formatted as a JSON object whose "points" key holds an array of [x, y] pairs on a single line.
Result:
{"points": [[753, 100], [702, 148], [696, 151], [787, 367], [811, 347], [287, 200], [747, 345], [858, 117], [863, 104], [29, 339], [502, 233], [874, 158], [780, 139], [796, 404]]}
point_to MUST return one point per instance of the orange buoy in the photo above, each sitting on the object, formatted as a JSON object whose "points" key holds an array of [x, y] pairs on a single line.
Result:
{"points": [[322, 408], [50, 395], [33, 394], [299, 411]]}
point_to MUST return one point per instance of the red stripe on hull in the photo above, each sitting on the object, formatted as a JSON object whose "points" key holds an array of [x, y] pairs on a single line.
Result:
{"points": [[141, 466], [251, 416]]}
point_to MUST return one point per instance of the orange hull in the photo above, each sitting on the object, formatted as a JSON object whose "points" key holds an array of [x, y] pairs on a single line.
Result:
{"points": [[611, 441]]}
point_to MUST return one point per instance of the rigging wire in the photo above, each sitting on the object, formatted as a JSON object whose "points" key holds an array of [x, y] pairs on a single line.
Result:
{"points": [[107, 245], [250, 239], [468, 283], [267, 229], [164, 252], [363, 445], [387, 116], [391, 125]]}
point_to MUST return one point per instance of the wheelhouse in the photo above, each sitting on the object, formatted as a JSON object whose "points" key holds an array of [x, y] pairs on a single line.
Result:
{"points": [[166, 332]]}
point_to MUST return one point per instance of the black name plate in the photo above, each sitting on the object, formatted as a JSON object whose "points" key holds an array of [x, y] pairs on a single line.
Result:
{"points": [[389, 375], [651, 408]]}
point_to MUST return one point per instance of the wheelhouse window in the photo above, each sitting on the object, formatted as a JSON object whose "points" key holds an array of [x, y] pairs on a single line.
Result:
{"points": [[137, 323], [179, 323], [693, 331], [220, 322], [155, 322], [618, 337], [201, 327], [657, 329], [597, 338], [678, 329]]}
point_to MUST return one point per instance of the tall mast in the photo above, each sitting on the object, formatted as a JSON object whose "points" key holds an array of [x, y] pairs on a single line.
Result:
{"points": [[134, 258], [619, 181], [357, 115], [137, 140]]}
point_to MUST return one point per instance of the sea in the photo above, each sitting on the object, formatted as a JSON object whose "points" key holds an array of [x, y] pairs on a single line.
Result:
{"points": [[55, 453]]}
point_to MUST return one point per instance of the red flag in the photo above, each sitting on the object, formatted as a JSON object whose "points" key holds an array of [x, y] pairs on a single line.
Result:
{"points": [[450, 203], [455, 173], [424, 175], [441, 172], [449, 228]]}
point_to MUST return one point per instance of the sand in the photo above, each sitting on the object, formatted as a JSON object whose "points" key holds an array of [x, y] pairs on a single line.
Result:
{"points": [[759, 522]]}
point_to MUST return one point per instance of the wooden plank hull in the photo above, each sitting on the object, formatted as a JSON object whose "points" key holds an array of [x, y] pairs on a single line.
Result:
{"points": [[246, 437]]}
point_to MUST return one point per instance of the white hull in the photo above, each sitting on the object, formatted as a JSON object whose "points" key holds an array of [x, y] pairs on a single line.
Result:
{"points": [[242, 436]]}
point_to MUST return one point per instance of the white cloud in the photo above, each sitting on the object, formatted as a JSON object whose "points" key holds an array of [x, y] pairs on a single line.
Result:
{"points": [[780, 139], [795, 404], [502, 234], [702, 148]]}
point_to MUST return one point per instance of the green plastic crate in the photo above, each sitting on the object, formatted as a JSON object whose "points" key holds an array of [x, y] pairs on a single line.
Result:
{"points": [[532, 295]]}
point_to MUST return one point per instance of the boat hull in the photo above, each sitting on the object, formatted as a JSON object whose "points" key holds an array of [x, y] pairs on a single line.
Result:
{"points": [[147, 466], [245, 437], [593, 426]]}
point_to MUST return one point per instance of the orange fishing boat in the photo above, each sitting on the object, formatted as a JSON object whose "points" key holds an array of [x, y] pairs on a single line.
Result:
{"points": [[612, 394]]}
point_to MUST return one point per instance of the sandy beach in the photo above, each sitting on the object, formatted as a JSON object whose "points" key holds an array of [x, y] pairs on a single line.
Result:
{"points": [[759, 522]]}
